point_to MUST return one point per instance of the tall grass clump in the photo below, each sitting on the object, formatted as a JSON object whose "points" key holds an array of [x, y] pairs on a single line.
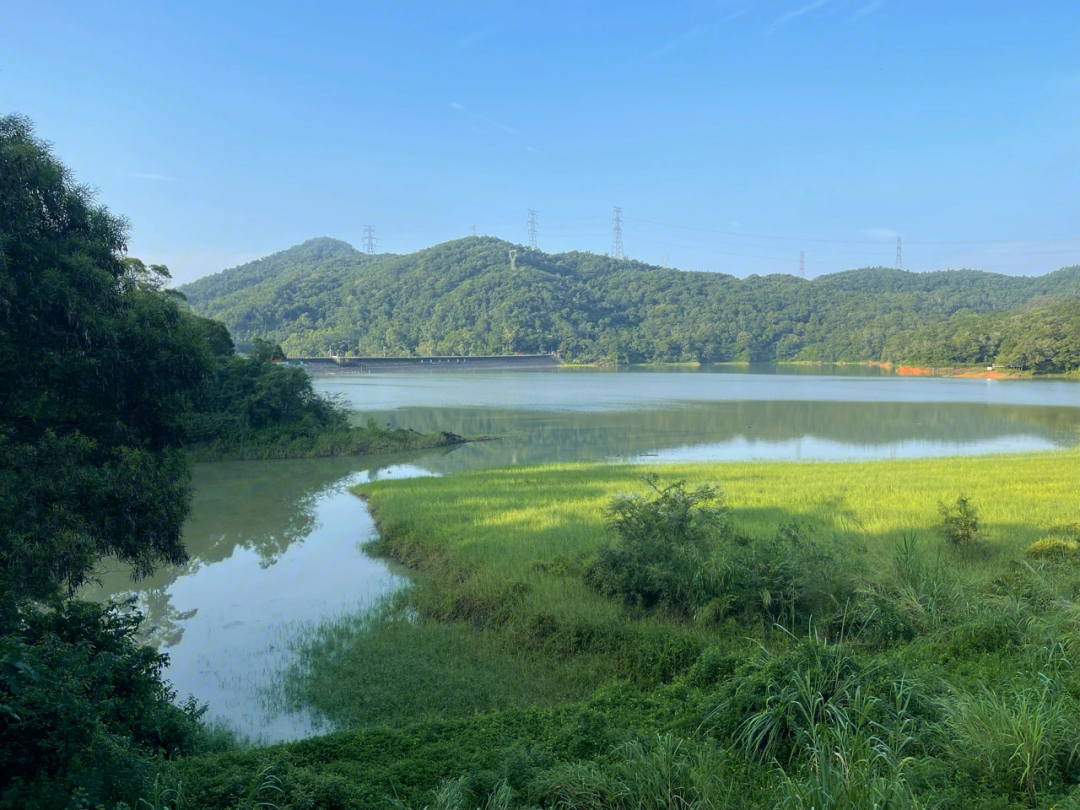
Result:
{"points": [[1019, 741], [837, 731], [658, 772]]}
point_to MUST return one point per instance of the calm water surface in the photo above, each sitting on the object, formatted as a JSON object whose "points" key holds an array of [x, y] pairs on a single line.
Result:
{"points": [[275, 546]]}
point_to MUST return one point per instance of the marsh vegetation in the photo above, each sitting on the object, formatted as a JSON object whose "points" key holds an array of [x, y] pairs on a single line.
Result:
{"points": [[733, 635]]}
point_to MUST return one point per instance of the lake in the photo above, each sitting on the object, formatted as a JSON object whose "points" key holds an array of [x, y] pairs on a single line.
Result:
{"points": [[275, 545]]}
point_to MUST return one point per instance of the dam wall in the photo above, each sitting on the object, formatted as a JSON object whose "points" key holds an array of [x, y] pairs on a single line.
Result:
{"points": [[318, 366]]}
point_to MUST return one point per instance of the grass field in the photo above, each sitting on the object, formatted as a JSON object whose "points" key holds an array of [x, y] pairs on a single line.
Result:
{"points": [[909, 671]]}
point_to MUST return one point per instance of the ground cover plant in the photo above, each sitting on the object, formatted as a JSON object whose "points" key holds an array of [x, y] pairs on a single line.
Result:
{"points": [[558, 650]]}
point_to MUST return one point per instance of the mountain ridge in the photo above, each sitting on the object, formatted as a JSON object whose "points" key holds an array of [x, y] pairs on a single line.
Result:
{"points": [[463, 297]]}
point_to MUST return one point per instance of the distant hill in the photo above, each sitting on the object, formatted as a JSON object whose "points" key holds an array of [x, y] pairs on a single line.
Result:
{"points": [[319, 255], [463, 297]]}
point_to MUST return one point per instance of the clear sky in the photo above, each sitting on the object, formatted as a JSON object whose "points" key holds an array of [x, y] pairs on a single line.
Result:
{"points": [[733, 134]]}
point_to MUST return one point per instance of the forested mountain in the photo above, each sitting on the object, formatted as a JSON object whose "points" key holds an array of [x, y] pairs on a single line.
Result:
{"points": [[1042, 339], [463, 297]]}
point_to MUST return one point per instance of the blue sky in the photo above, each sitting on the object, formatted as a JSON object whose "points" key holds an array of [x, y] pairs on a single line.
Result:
{"points": [[733, 134]]}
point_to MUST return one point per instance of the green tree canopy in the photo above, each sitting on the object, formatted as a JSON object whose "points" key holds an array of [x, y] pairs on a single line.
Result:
{"points": [[98, 368]]}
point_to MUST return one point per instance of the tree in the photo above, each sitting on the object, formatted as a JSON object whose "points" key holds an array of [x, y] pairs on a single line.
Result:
{"points": [[98, 367]]}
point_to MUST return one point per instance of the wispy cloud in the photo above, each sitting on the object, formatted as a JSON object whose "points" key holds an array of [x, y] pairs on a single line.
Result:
{"points": [[146, 176], [690, 35], [534, 150], [672, 46], [881, 233], [497, 125], [461, 108], [795, 13], [869, 8]]}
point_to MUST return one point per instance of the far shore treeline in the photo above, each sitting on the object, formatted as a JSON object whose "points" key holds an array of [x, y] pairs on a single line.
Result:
{"points": [[464, 298]]}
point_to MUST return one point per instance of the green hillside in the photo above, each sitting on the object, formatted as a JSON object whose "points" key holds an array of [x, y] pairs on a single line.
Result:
{"points": [[463, 297]]}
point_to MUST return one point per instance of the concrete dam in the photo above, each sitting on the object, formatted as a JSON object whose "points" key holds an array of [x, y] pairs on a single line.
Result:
{"points": [[320, 366]]}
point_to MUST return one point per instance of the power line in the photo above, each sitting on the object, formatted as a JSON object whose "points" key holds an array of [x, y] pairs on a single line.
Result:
{"points": [[856, 241], [617, 251], [532, 229], [369, 240]]}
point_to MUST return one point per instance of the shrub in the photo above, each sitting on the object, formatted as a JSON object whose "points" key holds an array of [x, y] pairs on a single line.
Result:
{"points": [[665, 544], [679, 552], [83, 706], [1053, 548], [960, 522]]}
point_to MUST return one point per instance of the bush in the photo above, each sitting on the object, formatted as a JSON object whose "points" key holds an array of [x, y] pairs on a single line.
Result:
{"points": [[679, 552], [83, 707], [665, 545], [960, 524]]}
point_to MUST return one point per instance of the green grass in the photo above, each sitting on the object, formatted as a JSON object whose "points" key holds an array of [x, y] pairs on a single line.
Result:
{"points": [[946, 677]]}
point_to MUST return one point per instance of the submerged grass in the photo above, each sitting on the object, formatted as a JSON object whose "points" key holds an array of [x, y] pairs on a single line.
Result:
{"points": [[940, 674], [387, 665]]}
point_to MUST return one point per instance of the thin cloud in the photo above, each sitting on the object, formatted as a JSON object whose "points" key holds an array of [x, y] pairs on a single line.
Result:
{"points": [[869, 8], [795, 13], [672, 46], [488, 121], [532, 149], [881, 233], [497, 125], [688, 36]]}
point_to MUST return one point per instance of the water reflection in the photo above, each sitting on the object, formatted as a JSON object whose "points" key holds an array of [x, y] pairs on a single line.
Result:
{"points": [[740, 430], [274, 547]]}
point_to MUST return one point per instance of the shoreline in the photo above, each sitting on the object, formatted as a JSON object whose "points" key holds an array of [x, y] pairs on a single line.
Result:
{"points": [[340, 444]]}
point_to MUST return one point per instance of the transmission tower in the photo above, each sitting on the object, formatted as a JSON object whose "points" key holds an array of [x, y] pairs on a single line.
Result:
{"points": [[369, 240], [617, 251], [664, 261], [899, 258], [532, 229], [474, 230], [513, 258], [802, 264]]}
